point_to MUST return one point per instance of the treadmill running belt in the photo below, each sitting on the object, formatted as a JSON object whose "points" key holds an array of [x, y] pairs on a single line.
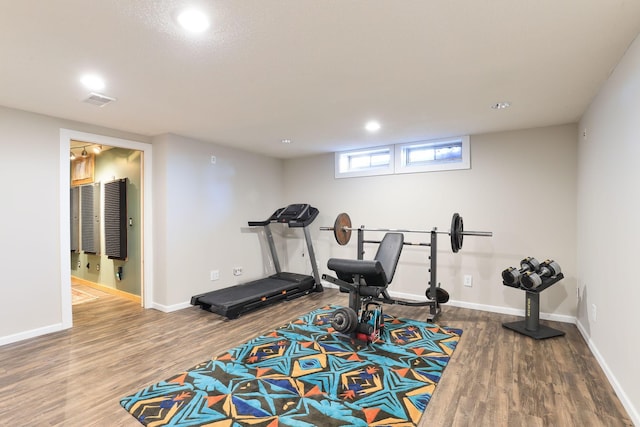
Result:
{"points": [[234, 300]]}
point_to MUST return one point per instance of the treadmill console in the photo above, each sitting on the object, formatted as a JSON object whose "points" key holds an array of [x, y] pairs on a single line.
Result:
{"points": [[296, 215], [292, 212]]}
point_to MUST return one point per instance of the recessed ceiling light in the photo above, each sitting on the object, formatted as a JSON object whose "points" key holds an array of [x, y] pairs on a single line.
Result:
{"points": [[372, 126], [193, 20], [92, 81], [286, 141], [501, 105]]}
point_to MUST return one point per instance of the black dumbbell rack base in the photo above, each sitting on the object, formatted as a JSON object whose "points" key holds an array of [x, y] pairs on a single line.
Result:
{"points": [[531, 326], [543, 332]]}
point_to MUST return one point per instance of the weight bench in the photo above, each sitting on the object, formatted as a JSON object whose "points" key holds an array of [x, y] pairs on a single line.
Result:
{"points": [[366, 281]]}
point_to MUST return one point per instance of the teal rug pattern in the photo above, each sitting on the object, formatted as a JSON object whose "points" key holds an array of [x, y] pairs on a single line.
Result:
{"points": [[305, 374]]}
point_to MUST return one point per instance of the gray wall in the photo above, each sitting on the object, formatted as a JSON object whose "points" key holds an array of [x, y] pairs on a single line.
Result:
{"points": [[201, 212], [521, 186], [524, 186], [608, 209], [30, 226]]}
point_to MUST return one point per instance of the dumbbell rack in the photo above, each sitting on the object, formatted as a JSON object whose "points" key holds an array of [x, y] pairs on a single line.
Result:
{"points": [[531, 326]]}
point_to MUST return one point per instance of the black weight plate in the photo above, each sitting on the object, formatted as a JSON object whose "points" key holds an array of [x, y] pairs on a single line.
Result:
{"points": [[457, 228], [442, 296], [344, 320]]}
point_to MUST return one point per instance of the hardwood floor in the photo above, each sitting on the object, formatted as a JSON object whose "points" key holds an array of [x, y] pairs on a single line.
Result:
{"points": [[496, 377]]}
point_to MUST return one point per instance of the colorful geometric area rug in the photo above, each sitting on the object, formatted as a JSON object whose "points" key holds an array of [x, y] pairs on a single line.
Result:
{"points": [[305, 374]]}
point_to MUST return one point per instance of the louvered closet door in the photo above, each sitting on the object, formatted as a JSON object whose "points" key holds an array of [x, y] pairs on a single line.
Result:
{"points": [[115, 219], [90, 218]]}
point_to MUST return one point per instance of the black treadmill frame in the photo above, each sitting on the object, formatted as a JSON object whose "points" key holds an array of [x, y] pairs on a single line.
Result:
{"points": [[244, 297]]}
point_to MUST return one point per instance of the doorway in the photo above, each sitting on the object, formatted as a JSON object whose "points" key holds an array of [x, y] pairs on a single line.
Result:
{"points": [[106, 201], [145, 229]]}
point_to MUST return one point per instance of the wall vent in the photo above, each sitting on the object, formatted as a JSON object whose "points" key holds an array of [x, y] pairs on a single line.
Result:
{"points": [[98, 99]]}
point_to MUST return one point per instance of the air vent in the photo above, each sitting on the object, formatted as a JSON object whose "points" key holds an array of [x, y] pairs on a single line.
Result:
{"points": [[98, 99]]}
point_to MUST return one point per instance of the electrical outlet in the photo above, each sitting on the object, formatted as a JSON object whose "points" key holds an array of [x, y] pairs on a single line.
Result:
{"points": [[594, 312], [213, 160], [97, 267], [468, 280], [214, 274], [237, 271]]}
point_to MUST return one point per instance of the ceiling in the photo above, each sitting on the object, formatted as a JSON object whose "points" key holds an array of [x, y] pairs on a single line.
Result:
{"points": [[314, 71]]}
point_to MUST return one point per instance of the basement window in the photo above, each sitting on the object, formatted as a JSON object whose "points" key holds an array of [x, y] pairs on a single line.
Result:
{"points": [[435, 155], [364, 162], [421, 156]]}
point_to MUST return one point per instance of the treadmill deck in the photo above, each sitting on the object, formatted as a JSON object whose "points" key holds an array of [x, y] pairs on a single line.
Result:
{"points": [[237, 299]]}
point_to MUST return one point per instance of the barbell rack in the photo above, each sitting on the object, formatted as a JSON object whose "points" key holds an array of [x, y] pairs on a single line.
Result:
{"points": [[342, 232]]}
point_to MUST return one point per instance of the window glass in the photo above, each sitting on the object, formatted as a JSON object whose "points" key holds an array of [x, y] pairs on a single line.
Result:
{"points": [[365, 162], [421, 156]]}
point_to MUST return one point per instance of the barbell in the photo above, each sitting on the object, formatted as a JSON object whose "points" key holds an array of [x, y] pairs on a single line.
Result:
{"points": [[342, 230]]}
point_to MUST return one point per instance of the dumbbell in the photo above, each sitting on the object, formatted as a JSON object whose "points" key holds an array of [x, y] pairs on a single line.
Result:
{"points": [[533, 279], [511, 276]]}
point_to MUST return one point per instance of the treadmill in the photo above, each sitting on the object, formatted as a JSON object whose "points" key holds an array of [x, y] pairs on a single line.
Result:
{"points": [[235, 300]]}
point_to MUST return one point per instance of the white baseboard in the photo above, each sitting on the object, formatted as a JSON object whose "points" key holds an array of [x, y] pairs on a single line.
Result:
{"points": [[634, 413], [624, 399], [31, 334], [490, 308], [170, 308]]}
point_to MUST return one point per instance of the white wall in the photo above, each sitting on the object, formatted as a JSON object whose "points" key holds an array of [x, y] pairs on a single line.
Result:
{"points": [[201, 212], [200, 217], [30, 227], [608, 235], [521, 186]]}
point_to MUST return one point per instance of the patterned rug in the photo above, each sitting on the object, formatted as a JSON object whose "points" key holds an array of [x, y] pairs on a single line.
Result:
{"points": [[304, 374]]}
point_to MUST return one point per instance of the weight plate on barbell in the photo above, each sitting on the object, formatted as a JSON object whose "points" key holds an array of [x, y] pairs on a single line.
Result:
{"points": [[457, 228], [344, 320], [342, 229], [442, 296]]}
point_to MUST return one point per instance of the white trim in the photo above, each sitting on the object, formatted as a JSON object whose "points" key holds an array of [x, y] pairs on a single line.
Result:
{"points": [[372, 171], [490, 308], [473, 306], [632, 411], [66, 135], [171, 308], [512, 311], [65, 232], [32, 333]]}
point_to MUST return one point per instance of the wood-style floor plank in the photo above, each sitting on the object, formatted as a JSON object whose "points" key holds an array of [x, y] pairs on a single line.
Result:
{"points": [[496, 377]]}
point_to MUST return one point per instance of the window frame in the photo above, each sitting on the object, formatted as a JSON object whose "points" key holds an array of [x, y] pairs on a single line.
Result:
{"points": [[396, 155], [369, 171], [435, 166]]}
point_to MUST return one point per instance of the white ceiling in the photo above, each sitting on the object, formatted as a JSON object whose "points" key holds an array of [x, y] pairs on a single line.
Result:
{"points": [[314, 71]]}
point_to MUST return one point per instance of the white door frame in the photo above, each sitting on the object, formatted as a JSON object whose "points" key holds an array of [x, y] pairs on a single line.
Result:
{"points": [[66, 136]]}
